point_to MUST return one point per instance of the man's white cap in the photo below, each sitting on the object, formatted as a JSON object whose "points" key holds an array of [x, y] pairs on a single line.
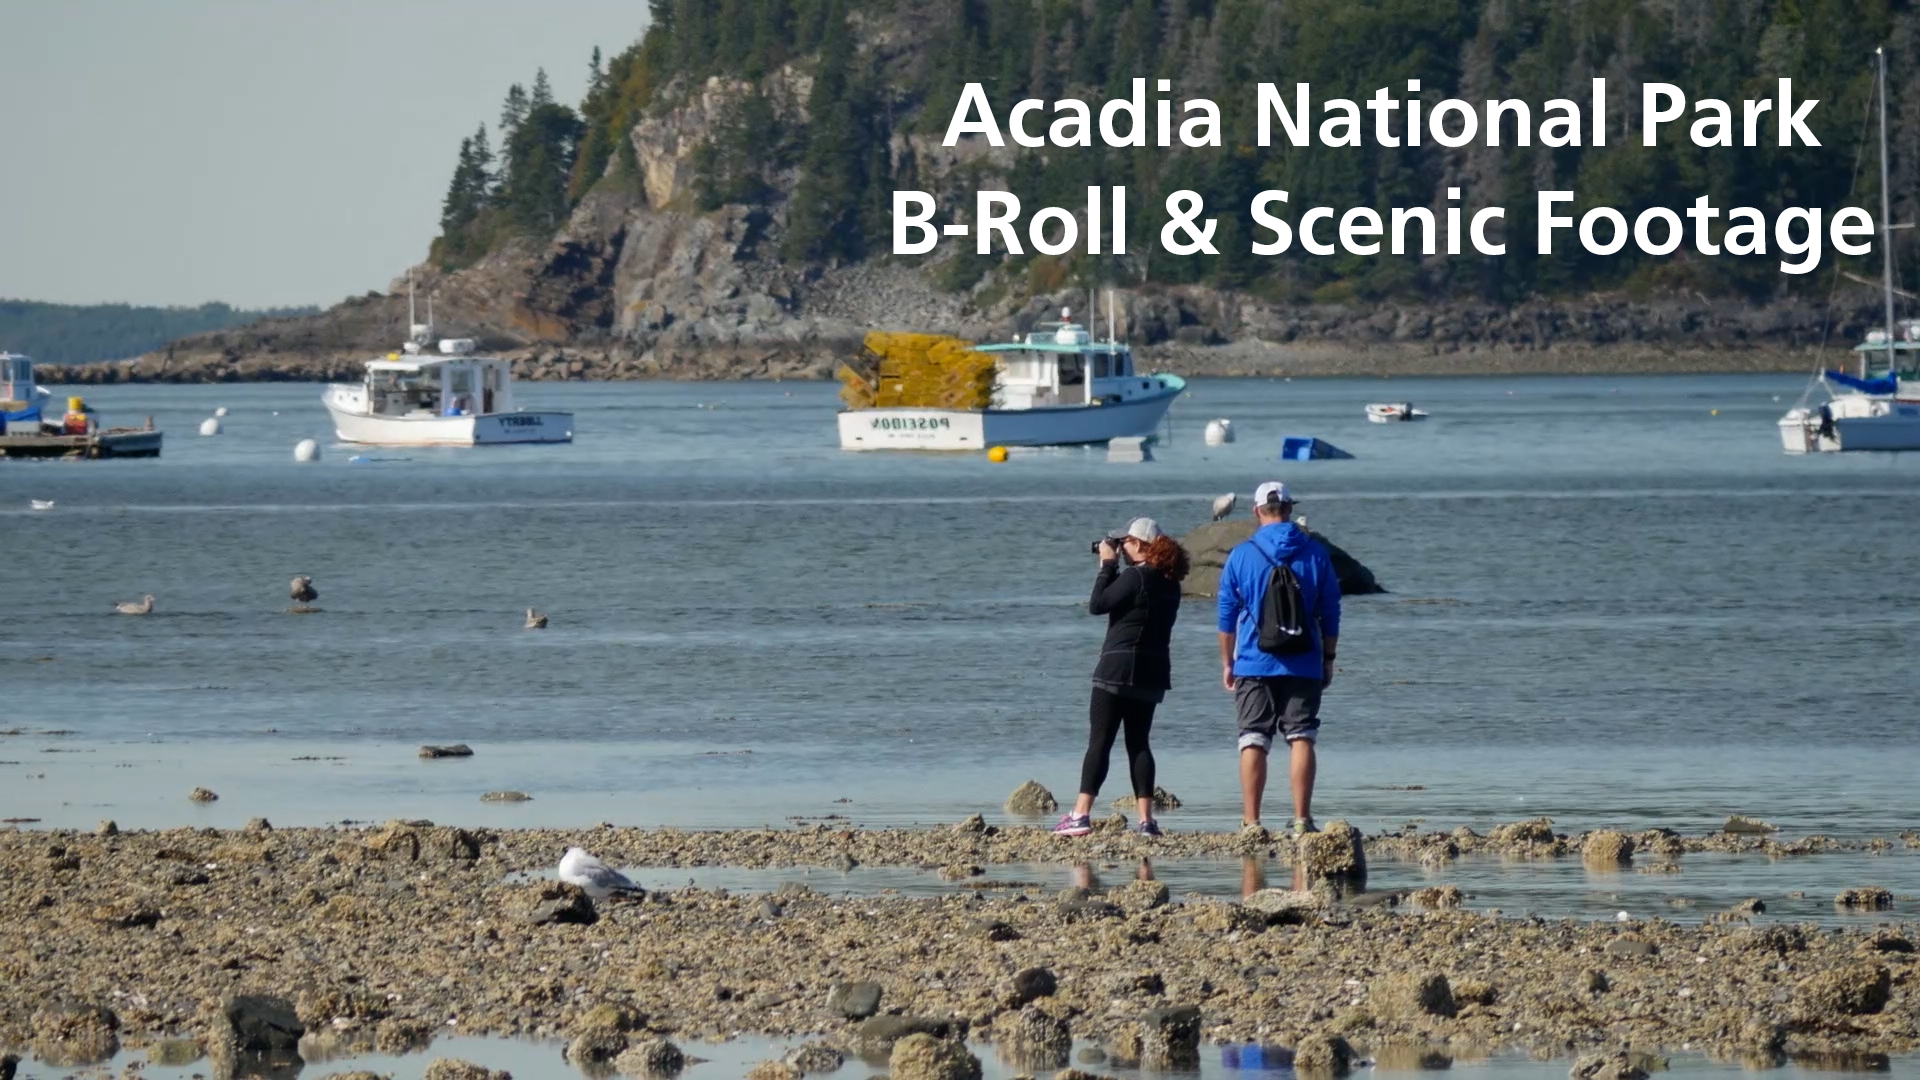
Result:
{"points": [[1272, 490], [1144, 529]]}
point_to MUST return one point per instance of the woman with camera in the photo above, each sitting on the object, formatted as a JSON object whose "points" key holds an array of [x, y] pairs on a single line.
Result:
{"points": [[1141, 601]]}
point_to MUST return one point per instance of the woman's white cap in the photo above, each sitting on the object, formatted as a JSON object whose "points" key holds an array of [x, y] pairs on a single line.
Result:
{"points": [[1144, 529]]}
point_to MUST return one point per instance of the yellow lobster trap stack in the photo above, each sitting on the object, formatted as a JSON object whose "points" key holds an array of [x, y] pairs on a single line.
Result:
{"points": [[926, 371]]}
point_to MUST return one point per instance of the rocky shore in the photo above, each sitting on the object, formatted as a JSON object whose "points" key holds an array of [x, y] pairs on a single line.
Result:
{"points": [[345, 938]]}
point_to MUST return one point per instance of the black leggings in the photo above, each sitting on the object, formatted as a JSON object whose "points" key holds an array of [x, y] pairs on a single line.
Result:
{"points": [[1108, 714]]}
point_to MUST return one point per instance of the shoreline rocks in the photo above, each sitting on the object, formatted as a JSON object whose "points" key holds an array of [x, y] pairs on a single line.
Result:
{"points": [[382, 933]]}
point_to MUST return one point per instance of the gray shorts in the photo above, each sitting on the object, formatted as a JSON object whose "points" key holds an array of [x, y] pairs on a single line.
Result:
{"points": [[1284, 705]]}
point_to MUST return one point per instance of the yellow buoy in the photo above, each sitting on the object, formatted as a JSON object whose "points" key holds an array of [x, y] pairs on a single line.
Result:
{"points": [[1715, 412], [997, 454]]}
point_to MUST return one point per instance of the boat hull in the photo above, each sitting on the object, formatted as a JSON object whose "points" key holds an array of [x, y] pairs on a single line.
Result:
{"points": [[493, 429], [1891, 425], [978, 429]]}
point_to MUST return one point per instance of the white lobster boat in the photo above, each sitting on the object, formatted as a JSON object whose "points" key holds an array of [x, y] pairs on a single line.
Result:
{"points": [[1056, 387], [452, 398]]}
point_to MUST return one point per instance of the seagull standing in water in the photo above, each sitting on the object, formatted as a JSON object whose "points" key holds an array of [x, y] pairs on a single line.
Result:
{"points": [[537, 621], [144, 607], [302, 590], [597, 878], [1223, 506]]}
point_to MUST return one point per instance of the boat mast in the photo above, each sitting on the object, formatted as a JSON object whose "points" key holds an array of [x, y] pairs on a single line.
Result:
{"points": [[1886, 220]]}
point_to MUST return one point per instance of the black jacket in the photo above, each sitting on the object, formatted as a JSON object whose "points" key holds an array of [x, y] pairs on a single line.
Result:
{"points": [[1140, 604]]}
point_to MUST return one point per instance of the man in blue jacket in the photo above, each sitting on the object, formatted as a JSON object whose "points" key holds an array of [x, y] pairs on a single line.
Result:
{"points": [[1277, 696]]}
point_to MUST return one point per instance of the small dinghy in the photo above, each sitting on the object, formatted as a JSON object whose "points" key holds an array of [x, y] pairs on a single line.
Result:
{"points": [[1394, 411]]}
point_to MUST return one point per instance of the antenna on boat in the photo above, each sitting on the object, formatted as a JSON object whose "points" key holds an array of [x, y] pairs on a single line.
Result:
{"points": [[1886, 220], [1110, 337]]}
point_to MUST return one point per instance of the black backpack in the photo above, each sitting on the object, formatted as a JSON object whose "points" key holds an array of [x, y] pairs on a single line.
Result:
{"points": [[1284, 628]]}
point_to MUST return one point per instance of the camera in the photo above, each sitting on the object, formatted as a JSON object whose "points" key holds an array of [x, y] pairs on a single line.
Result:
{"points": [[1115, 539]]}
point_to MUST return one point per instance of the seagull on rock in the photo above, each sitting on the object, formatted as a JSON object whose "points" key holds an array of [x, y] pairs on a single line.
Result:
{"points": [[537, 621], [144, 607], [1223, 506], [302, 590], [597, 878]]}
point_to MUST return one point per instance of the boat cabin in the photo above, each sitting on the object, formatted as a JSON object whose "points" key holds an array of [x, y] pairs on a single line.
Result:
{"points": [[1061, 365], [419, 384], [16, 378]]}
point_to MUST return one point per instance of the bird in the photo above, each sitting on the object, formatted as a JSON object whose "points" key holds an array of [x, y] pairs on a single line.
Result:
{"points": [[589, 873], [302, 590], [1223, 506], [537, 621], [41, 504], [221, 411], [144, 607]]}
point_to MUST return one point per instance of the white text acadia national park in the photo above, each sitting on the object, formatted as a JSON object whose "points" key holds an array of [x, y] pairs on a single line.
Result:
{"points": [[1278, 222]]}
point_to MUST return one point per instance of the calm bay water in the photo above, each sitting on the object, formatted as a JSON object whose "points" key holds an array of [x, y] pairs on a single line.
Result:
{"points": [[1609, 605]]}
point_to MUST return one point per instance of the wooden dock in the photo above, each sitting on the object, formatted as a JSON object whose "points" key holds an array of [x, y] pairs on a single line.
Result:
{"points": [[112, 443]]}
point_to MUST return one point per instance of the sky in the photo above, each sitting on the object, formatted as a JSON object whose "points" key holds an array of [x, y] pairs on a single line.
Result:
{"points": [[259, 152]]}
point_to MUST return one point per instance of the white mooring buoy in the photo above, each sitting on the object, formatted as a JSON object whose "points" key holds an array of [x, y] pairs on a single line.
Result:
{"points": [[306, 450], [210, 426], [1219, 431]]}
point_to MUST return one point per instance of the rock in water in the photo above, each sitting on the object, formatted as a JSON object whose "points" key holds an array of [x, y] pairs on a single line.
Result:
{"points": [[456, 1069], [1334, 854], [8, 1066], [1738, 825], [263, 1025], [453, 750], [1616, 1066], [1031, 799], [67, 1036], [201, 794], [652, 1058], [923, 1057], [1034, 1039], [816, 1057], [773, 1070], [1170, 1038], [1606, 848], [1208, 545], [1866, 897], [1323, 1055]]}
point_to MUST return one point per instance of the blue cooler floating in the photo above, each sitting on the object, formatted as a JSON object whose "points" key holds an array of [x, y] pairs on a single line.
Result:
{"points": [[1308, 448]]}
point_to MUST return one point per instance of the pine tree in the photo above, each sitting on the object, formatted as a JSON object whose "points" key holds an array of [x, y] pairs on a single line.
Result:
{"points": [[512, 112], [483, 164], [542, 91]]}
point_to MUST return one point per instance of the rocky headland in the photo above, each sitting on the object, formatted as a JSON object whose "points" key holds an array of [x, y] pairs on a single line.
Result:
{"points": [[340, 939]]}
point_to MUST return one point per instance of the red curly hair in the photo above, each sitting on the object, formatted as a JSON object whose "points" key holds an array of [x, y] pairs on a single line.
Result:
{"points": [[1167, 556]]}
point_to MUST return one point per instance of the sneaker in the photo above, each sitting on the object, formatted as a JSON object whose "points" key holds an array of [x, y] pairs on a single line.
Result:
{"points": [[1303, 825], [1254, 832], [1071, 825], [1149, 827]]}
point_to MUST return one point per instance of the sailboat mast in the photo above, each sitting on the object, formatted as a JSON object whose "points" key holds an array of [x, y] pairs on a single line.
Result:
{"points": [[1886, 221]]}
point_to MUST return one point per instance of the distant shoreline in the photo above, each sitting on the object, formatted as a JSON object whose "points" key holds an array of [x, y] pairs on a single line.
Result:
{"points": [[1245, 358]]}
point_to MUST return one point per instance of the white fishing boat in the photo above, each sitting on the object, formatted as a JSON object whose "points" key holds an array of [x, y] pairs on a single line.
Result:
{"points": [[449, 398], [1879, 408], [1054, 387], [1394, 412]]}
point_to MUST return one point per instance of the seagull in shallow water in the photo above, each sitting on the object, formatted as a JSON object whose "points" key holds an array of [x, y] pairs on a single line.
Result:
{"points": [[537, 621], [302, 590], [597, 878], [144, 607], [1223, 505]]}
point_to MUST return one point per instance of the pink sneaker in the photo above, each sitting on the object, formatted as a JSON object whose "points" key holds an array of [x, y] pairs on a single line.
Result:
{"points": [[1072, 825]]}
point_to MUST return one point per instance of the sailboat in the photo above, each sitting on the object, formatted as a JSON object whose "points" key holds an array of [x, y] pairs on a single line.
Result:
{"points": [[1879, 408]]}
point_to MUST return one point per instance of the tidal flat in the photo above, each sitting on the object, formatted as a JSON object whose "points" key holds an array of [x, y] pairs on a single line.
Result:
{"points": [[382, 938]]}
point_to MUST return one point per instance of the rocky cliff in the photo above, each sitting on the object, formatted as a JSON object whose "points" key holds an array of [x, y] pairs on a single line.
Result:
{"points": [[639, 283]]}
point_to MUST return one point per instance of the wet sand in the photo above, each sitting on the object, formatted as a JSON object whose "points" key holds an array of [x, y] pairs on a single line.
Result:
{"points": [[385, 936]]}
